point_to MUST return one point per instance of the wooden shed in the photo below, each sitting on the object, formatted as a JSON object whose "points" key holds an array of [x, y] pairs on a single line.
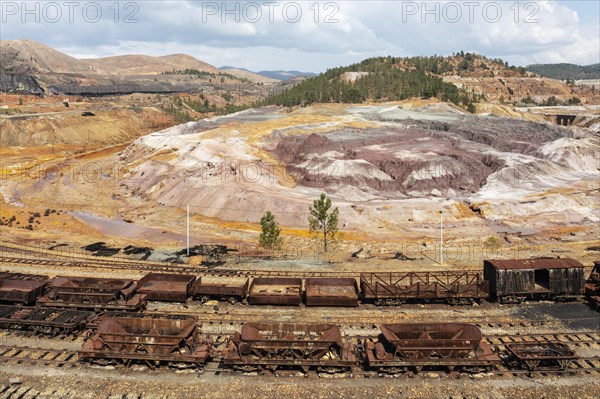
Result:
{"points": [[530, 278]]}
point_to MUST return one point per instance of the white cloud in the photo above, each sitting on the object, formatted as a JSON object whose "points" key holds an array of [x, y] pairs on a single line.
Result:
{"points": [[363, 29]]}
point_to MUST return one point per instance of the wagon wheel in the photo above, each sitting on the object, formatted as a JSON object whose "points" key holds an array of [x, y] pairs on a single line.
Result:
{"points": [[204, 298], [232, 300], [102, 362], [329, 370], [418, 368], [392, 370], [475, 369], [246, 368]]}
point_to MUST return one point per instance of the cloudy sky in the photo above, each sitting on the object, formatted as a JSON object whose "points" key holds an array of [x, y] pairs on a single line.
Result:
{"points": [[311, 35]]}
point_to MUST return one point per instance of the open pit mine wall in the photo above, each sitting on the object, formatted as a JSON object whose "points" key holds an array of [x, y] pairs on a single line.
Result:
{"points": [[19, 83], [37, 84]]}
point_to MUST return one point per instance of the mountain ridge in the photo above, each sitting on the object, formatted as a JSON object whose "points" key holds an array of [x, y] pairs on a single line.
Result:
{"points": [[281, 75], [32, 57]]}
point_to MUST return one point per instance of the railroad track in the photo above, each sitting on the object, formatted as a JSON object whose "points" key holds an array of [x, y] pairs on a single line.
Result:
{"points": [[37, 356], [374, 318], [579, 338], [585, 364], [169, 268], [43, 257]]}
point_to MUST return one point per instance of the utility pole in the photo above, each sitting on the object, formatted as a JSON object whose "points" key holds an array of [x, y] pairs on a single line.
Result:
{"points": [[441, 239], [188, 230]]}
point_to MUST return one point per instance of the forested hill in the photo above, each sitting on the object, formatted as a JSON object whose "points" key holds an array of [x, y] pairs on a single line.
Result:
{"points": [[566, 71], [393, 78]]}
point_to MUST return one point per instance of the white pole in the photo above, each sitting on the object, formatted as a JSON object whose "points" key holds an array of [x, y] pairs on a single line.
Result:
{"points": [[441, 239], [188, 230]]}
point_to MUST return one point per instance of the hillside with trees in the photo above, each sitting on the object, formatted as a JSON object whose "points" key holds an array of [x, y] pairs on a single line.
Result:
{"points": [[395, 78], [566, 71]]}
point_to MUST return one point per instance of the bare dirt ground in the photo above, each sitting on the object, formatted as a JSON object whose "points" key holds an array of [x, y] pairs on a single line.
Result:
{"points": [[96, 383]]}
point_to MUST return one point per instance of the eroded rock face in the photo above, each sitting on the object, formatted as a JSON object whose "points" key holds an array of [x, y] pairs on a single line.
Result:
{"points": [[415, 158], [385, 167]]}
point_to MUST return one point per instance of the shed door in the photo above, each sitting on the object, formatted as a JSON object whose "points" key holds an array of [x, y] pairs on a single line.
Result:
{"points": [[542, 280]]}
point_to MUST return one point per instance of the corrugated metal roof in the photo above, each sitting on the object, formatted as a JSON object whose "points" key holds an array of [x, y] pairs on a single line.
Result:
{"points": [[535, 264]]}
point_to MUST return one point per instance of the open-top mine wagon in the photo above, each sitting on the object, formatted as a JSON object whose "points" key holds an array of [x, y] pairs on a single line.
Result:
{"points": [[43, 320], [331, 292], [538, 356], [404, 347], [166, 287], [150, 340], [230, 289], [275, 291], [396, 288], [93, 293], [289, 346], [24, 292]]}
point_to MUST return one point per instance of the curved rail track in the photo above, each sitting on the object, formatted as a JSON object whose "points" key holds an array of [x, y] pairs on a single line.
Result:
{"points": [[51, 258]]}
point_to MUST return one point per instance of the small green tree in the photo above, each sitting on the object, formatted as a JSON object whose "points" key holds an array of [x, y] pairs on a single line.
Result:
{"points": [[322, 222], [270, 232]]}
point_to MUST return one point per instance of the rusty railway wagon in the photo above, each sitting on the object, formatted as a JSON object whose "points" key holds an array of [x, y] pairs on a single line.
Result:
{"points": [[166, 287], [93, 293], [21, 276], [592, 286], [149, 340], [519, 279], [541, 356], [275, 291], [43, 320], [397, 288], [404, 347], [303, 347], [25, 292], [230, 289], [501, 280], [331, 292]]}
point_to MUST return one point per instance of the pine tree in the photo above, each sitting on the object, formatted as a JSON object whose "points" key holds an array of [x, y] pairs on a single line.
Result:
{"points": [[270, 233], [321, 222]]}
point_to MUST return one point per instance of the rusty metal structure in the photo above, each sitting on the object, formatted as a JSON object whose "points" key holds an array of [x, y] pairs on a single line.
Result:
{"points": [[150, 340], [404, 347], [166, 287], [289, 346], [396, 288], [331, 292], [519, 279], [25, 292], [232, 290], [538, 356], [21, 276], [592, 286], [44, 320], [93, 293], [275, 291]]}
